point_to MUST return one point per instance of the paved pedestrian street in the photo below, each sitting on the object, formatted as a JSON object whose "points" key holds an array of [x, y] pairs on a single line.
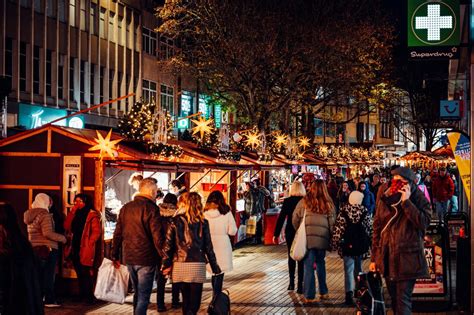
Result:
{"points": [[257, 286]]}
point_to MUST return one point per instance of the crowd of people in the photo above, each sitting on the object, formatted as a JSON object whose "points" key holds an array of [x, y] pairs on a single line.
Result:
{"points": [[179, 237], [382, 217]]}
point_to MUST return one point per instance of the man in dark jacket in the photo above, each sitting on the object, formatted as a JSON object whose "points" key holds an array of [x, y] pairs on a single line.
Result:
{"points": [[138, 234], [443, 190], [402, 217]]}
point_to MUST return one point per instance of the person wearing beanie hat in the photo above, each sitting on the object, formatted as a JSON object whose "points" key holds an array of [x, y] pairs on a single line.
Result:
{"points": [[403, 214], [354, 213], [44, 240]]}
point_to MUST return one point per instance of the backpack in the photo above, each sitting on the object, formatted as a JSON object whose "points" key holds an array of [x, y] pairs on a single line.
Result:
{"points": [[356, 240], [220, 304]]}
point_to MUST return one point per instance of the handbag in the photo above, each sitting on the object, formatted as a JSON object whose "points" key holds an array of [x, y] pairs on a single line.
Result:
{"points": [[220, 303], [298, 247]]}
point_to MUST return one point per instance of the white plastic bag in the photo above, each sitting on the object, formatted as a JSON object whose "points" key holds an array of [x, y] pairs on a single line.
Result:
{"points": [[112, 283], [298, 247]]}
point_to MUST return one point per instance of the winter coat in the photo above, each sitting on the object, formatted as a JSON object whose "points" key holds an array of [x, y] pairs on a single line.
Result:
{"points": [[91, 240], [443, 188], [138, 232], [369, 199], [255, 201], [188, 242], [318, 226], [167, 211], [221, 227], [286, 213], [354, 213], [40, 226], [398, 235]]}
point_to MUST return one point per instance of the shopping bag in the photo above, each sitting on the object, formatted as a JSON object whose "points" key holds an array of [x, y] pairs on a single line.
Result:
{"points": [[252, 225], [298, 247], [241, 234], [112, 283], [369, 294]]}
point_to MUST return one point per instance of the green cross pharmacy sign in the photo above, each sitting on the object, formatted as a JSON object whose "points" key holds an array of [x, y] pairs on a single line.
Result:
{"points": [[433, 23]]}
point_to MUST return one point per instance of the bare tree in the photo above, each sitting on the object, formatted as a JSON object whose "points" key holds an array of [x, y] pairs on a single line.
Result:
{"points": [[272, 59]]}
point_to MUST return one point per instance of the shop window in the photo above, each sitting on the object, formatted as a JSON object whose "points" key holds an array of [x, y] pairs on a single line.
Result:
{"points": [[23, 66], [61, 76]]}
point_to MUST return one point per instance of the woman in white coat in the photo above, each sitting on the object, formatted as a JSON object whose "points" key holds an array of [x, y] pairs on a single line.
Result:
{"points": [[222, 226]]}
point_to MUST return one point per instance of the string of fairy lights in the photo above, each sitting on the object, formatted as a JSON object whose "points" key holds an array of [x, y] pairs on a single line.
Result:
{"points": [[153, 126]]}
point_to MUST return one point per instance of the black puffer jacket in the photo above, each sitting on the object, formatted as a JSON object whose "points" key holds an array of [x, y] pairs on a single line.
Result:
{"points": [[188, 243], [398, 235], [138, 231]]}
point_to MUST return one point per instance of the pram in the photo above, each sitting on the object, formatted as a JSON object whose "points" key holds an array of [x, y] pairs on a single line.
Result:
{"points": [[369, 294]]}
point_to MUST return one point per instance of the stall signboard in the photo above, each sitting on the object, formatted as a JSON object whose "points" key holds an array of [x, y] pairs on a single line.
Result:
{"points": [[34, 116], [461, 145], [71, 186], [454, 226], [435, 253]]}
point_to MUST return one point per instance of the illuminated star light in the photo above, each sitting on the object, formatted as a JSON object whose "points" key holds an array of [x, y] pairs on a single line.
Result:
{"points": [[105, 145], [203, 126], [303, 142], [280, 139], [253, 140]]}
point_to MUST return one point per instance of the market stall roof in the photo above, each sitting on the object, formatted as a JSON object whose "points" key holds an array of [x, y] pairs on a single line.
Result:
{"points": [[423, 155], [57, 140], [445, 151]]}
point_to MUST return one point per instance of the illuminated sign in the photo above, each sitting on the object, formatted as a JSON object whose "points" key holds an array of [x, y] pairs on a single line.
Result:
{"points": [[186, 103], [433, 23], [218, 115], [183, 123], [34, 116], [202, 106]]}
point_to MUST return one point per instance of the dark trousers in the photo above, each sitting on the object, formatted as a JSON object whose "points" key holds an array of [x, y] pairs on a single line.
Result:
{"points": [[160, 291], [47, 275], [292, 264], [400, 292], [86, 276], [192, 294]]}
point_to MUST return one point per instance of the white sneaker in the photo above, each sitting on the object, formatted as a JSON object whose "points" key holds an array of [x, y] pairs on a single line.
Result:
{"points": [[51, 305]]}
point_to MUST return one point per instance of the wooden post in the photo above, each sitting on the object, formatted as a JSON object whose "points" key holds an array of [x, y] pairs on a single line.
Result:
{"points": [[99, 202], [233, 191]]}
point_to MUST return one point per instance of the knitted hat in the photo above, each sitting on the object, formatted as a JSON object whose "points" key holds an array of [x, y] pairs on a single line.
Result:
{"points": [[42, 201], [356, 197], [404, 172]]}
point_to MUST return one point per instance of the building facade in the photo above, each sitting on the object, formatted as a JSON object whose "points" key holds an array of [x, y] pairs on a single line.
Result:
{"points": [[62, 56]]}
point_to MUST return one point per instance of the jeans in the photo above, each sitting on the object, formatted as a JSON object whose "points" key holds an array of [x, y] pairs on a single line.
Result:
{"points": [[142, 282], [309, 286], [352, 267], [441, 209], [192, 294], [453, 204], [47, 275], [400, 292], [292, 264]]}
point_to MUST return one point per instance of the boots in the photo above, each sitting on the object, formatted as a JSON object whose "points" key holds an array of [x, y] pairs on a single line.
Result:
{"points": [[291, 287], [349, 298], [300, 287]]}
